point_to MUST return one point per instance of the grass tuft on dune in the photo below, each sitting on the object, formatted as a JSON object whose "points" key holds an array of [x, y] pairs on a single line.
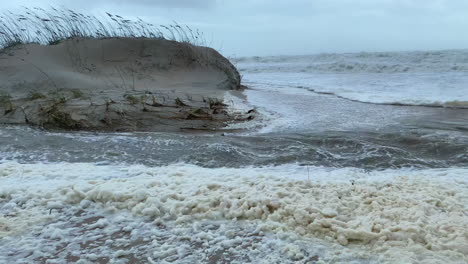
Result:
{"points": [[50, 27]]}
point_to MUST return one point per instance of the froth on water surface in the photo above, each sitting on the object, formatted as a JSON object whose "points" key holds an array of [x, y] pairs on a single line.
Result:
{"points": [[189, 214]]}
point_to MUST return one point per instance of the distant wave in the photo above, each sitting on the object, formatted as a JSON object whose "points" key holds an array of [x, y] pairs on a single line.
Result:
{"points": [[356, 67], [382, 62]]}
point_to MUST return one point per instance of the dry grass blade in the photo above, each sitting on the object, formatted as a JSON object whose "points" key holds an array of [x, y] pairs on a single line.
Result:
{"points": [[47, 27]]}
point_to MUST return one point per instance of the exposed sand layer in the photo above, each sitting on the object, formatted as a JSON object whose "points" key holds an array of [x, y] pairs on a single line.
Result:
{"points": [[118, 84], [189, 214]]}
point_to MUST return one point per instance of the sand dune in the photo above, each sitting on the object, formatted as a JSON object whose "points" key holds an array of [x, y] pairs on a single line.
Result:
{"points": [[117, 84]]}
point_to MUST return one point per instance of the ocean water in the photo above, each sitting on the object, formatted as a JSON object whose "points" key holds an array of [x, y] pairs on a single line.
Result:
{"points": [[354, 158], [435, 78]]}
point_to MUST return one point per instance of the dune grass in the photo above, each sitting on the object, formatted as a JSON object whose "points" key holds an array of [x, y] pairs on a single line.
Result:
{"points": [[50, 27]]}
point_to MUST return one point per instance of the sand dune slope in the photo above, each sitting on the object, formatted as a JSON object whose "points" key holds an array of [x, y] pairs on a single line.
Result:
{"points": [[117, 84]]}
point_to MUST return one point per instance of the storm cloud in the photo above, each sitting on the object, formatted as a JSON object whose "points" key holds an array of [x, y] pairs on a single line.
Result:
{"points": [[265, 27]]}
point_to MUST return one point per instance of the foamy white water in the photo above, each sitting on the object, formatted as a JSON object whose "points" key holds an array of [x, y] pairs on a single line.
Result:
{"points": [[288, 214], [410, 78]]}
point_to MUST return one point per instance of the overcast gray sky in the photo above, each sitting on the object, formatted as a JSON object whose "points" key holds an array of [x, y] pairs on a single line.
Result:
{"points": [[274, 27]]}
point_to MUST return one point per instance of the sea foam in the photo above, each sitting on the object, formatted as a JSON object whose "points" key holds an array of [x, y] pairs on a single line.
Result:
{"points": [[418, 216]]}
